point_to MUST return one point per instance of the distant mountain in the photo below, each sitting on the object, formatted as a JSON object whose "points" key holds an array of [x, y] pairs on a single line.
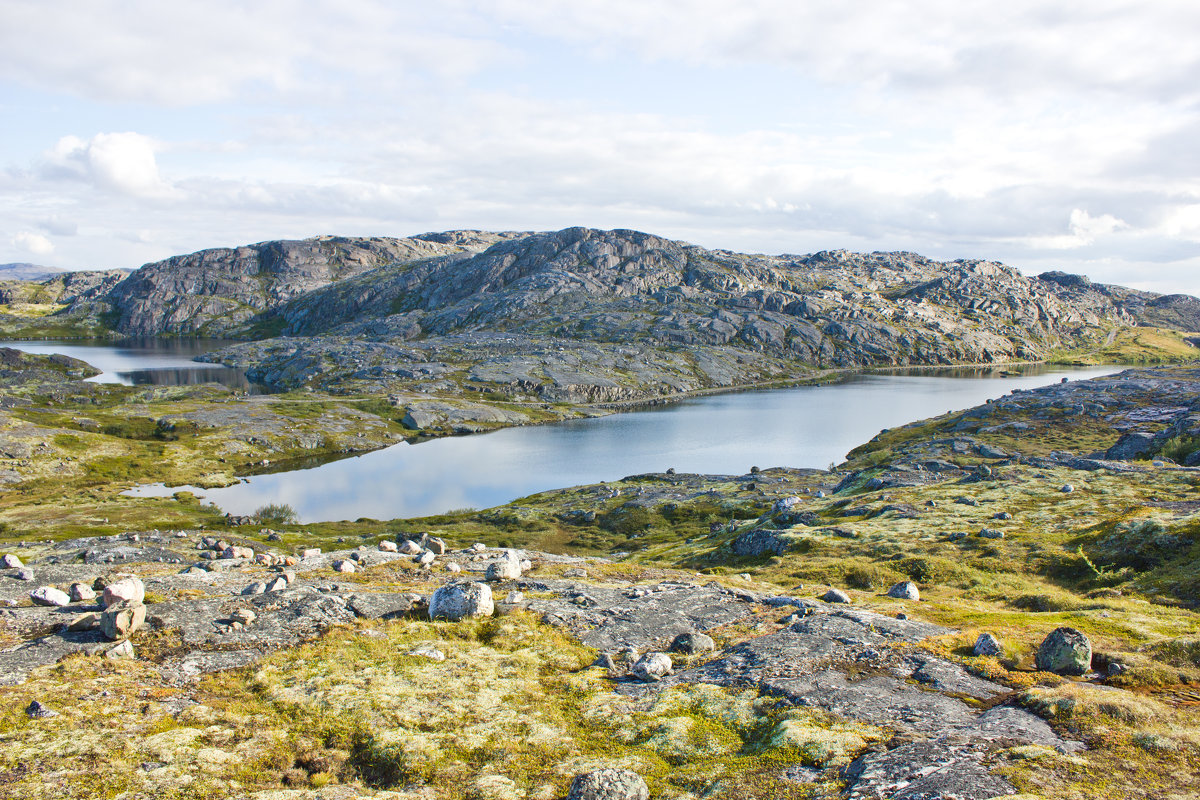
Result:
{"points": [[609, 309], [28, 272]]}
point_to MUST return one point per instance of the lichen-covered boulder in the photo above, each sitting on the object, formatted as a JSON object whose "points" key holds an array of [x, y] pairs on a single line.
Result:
{"points": [[988, 645], [609, 784], [835, 596], [128, 589], [506, 568], [905, 590], [652, 667], [693, 643], [1066, 651], [759, 542], [456, 601]]}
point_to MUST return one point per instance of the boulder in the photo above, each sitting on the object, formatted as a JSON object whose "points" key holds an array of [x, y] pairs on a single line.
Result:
{"points": [[426, 558], [120, 651], [652, 667], [49, 596], [243, 615], [506, 568], [1067, 488], [10, 562], [409, 548], [129, 589], [1130, 446], [457, 601], [438, 546], [121, 619], [759, 542], [905, 590], [513, 601], [81, 592], [609, 784], [835, 596], [988, 645], [1066, 651], [453, 567], [344, 565], [693, 643], [387, 546]]}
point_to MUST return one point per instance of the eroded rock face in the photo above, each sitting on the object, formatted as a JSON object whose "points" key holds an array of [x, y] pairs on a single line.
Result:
{"points": [[1066, 651], [457, 601]]}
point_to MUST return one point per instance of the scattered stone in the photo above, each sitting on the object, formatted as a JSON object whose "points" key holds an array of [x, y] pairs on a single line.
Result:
{"points": [[1004, 515], [122, 650], [905, 590], [234, 551], [759, 542], [438, 546], [120, 620], [456, 601], [244, 616], [609, 784], [1066, 651], [990, 533], [835, 596], [84, 622], [507, 568], [426, 558], [81, 592], [575, 572], [387, 546], [409, 548], [257, 587], [966, 501], [277, 585], [513, 601], [692, 642], [344, 565], [1067, 488], [130, 589], [988, 645], [49, 596], [25, 574], [10, 562], [453, 567], [309, 552], [38, 710], [427, 651], [479, 547], [652, 667]]}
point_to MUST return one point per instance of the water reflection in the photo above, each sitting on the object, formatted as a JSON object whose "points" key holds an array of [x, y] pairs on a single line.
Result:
{"points": [[721, 434], [137, 362]]}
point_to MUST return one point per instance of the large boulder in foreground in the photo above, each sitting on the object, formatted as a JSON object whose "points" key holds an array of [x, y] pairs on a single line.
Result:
{"points": [[1066, 651], [130, 590], [609, 784], [456, 601]]}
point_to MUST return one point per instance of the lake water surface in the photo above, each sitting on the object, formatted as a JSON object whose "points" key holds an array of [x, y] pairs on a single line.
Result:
{"points": [[136, 362], [718, 434]]}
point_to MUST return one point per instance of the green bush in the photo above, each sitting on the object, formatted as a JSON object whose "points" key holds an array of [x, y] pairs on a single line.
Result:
{"points": [[276, 514]]}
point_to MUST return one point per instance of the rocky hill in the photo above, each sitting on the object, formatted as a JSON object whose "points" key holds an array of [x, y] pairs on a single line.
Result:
{"points": [[602, 315], [24, 271]]}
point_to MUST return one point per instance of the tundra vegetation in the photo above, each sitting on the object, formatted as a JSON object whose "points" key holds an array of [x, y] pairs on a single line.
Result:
{"points": [[1073, 506]]}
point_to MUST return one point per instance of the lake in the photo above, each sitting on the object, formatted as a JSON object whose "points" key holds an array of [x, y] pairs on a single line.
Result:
{"points": [[717, 434], [137, 362]]}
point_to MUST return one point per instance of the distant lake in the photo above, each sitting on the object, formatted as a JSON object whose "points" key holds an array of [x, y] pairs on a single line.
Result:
{"points": [[718, 434], [137, 362]]}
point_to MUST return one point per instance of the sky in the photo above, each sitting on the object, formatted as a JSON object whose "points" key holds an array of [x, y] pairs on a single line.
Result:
{"points": [[1040, 133]]}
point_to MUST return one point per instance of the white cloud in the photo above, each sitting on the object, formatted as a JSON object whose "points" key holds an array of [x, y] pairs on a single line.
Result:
{"points": [[34, 243], [118, 162]]}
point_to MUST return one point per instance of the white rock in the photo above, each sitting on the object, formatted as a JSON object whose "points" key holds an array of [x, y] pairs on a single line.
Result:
{"points": [[409, 547], [130, 589], [506, 568], [652, 667], [426, 558], [277, 585], [456, 601], [432, 653], [988, 645], [387, 546], [479, 547], [453, 567], [344, 565], [122, 650], [11, 562], [905, 590], [49, 596], [835, 596], [309, 552], [81, 592]]}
